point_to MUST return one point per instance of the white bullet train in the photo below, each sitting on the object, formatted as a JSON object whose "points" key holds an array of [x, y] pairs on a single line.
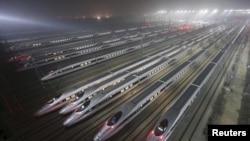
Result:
{"points": [[59, 100], [167, 123]]}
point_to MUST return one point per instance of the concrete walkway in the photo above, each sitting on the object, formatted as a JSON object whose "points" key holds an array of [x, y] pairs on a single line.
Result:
{"points": [[233, 97]]}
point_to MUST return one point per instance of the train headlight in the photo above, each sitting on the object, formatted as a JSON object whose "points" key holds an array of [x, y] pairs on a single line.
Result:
{"points": [[161, 137]]}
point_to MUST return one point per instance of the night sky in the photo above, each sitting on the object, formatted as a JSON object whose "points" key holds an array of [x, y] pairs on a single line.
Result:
{"points": [[93, 8]]}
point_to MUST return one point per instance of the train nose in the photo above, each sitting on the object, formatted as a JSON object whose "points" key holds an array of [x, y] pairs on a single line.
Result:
{"points": [[64, 111], [37, 114], [44, 78], [67, 122], [97, 138], [40, 112], [67, 109], [70, 121]]}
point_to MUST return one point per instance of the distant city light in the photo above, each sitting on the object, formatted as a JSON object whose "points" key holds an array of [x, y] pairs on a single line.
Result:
{"points": [[204, 11], [98, 18], [10, 18], [161, 12], [215, 11]]}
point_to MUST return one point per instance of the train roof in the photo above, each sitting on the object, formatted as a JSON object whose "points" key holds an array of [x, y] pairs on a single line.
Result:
{"points": [[131, 63], [184, 97], [109, 89], [217, 58], [142, 64], [204, 74], [151, 67], [176, 70], [108, 80], [146, 92], [173, 55], [196, 55], [93, 79]]}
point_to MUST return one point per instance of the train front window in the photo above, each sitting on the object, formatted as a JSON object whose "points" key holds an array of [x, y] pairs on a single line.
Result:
{"points": [[83, 106], [51, 72], [53, 99], [78, 96], [58, 96], [161, 128], [115, 118]]}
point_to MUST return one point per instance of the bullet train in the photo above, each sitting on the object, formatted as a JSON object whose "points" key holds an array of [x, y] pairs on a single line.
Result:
{"points": [[168, 122], [74, 94], [59, 100]]}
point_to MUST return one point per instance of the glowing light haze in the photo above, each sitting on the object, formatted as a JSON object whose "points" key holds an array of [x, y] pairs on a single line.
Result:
{"points": [[102, 8]]}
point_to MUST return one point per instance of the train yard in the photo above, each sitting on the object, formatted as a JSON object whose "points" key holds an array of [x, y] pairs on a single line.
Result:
{"points": [[141, 83]]}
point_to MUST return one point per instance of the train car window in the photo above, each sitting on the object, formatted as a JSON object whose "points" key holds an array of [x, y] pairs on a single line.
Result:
{"points": [[58, 96]]}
